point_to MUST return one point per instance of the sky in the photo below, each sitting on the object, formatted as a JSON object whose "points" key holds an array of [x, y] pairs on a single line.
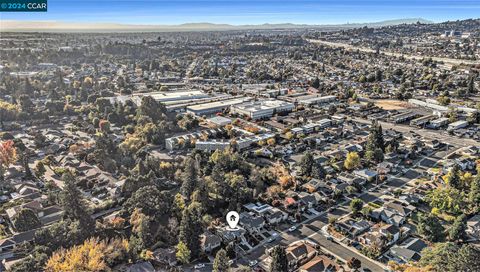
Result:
{"points": [[240, 12]]}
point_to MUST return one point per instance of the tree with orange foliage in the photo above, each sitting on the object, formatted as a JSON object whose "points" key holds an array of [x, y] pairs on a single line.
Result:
{"points": [[8, 155], [285, 181], [92, 255]]}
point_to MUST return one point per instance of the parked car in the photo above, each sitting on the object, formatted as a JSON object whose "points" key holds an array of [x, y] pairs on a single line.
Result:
{"points": [[292, 228], [198, 266], [253, 263]]}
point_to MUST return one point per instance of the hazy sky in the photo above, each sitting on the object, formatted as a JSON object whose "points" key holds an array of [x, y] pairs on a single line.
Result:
{"points": [[250, 11]]}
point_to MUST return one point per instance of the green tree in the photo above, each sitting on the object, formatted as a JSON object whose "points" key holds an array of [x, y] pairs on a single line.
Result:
{"points": [[279, 260], [183, 253], [306, 164], [457, 230], [190, 231], [450, 257], [151, 108], [189, 178], [316, 83], [220, 264], [430, 227], [454, 179], [474, 195], [356, 205], [318, 171], [73, 203], [150, 200], [25, 220]]}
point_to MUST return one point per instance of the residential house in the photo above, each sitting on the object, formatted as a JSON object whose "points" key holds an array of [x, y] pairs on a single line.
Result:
{"points": [[275, 216], [321, 263], [299, 253], [210, 242], [351, 227], [351, 179], [251, 222], [391, 232], [394, 212], [166, 256], [409, 250], [473, 227], [366, 174], [307, 199]]}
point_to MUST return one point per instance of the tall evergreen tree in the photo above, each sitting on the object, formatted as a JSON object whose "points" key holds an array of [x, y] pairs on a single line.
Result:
{"points": [[279, 260], [190, 231], [454, 180], [220, 264], [74, 206], [306, 164], [189, 178], [474, 195]]}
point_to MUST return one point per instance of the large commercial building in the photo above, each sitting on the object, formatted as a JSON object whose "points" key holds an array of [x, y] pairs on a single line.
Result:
{"points": [[214, 107], [457, 125], [178, 96], [262, 108], [308, 99]]}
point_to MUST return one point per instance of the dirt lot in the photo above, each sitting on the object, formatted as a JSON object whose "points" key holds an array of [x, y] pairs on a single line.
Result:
{"points": [[390, 104]]}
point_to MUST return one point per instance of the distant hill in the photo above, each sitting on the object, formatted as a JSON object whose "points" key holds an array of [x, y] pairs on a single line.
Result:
{"points": [[56, 26]]}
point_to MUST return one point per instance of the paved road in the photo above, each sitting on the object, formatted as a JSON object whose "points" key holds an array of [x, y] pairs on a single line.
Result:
{"points": [[393, 54]]}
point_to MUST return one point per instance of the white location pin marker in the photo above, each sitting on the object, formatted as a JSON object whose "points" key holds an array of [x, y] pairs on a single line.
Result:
{"points": [[232, 219]]}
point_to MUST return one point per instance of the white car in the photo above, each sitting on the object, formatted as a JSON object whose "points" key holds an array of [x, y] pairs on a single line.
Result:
{"points": [[292, 228], [198, 266], [253, 263]]}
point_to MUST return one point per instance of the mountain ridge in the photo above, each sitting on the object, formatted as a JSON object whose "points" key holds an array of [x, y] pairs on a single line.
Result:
{"points": [[58, 26]]}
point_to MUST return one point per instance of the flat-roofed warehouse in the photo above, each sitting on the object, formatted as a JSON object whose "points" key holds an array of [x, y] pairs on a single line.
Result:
{"points": [[262, 108], [309, 99], [214, 107], [177, 96]]}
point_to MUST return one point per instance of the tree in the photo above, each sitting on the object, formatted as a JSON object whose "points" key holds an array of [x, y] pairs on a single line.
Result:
{"points": [[450, 257], [279, 260], [220, 264], [189, 178], [457, 230], [190, 231], [150, 201], [140, 237], [104, 126], [447, 199], [8, 155], [92, 255], [306, 164], [151, 108], [474, 195], [24, 155], [354, 263], [375, 138], [430, 227], [40, 169], [73, 203], [453, 179], [34, 262], [65, 233], [318, 171], [356, 205], [26, 220], [316, 83], [352, 161], [183, 253]]}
